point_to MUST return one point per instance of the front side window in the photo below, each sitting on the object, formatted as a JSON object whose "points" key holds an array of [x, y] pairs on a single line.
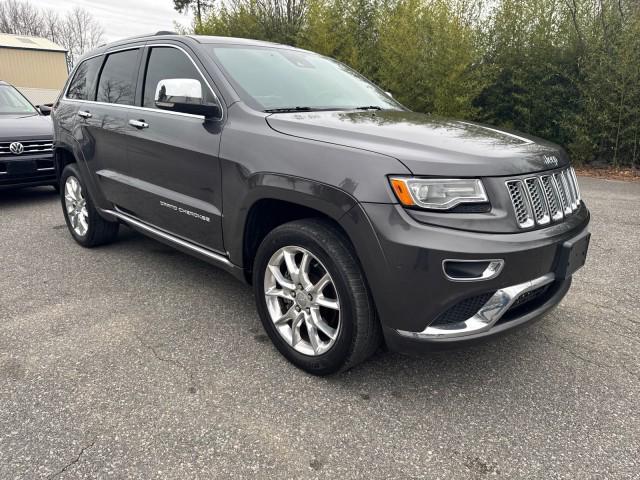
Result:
{"points": [[13, 102], [82, 87], [118, 78], [272, 78], [170, 63]]}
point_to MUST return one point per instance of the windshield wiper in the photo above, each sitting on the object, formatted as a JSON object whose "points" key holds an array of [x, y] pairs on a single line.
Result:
{"points": [[369, 107], [290, 109]]}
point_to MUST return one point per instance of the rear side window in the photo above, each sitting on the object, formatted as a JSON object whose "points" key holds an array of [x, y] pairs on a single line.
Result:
{"points": [[165, 63], [118, 78], [83, 85]]}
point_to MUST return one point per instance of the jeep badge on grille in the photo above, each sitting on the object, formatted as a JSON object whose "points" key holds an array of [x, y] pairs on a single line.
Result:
{"points": [[550, 161]]}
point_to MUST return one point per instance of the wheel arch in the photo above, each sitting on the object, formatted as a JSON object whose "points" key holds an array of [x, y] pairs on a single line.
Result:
{"points": [[275, 199], [63, 156]]}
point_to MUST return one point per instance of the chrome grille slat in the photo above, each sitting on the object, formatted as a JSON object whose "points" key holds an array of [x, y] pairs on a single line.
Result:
{"points": [[562, 183], [520, 204], [542, 199], [571, 176], [538, 202], [572, 193], [550, 193]]}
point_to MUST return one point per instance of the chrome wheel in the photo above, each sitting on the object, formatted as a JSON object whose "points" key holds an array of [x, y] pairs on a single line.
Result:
{"points": [[76, 206], [302, 300]]}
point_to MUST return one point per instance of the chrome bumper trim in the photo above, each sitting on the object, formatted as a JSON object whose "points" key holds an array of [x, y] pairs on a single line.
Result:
{"points": [[493, 269], [486, 317]]}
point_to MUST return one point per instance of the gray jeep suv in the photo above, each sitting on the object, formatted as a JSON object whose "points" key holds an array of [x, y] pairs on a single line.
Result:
{"points": [[357, 221]]}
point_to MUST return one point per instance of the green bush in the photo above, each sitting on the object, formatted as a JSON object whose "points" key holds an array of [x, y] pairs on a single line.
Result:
{"points": [[565, 70]]}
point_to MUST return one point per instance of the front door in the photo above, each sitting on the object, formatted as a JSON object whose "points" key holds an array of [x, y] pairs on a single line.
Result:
{"points": [[173, 157]]}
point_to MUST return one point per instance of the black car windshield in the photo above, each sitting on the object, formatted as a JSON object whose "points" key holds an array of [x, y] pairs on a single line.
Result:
{"points": [[12, 102], [281, 79]]}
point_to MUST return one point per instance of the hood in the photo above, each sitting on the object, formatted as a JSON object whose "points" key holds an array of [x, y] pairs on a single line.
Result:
{"points": [[427, 145], [25, 127]]}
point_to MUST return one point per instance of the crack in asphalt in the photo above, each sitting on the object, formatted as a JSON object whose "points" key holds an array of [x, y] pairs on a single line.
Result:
{"points": [[565, 348], [72, 462], [612, 309], [193, 384]]}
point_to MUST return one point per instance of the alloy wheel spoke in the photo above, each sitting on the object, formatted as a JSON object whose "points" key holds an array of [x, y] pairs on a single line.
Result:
{"points": [[295, 330], [314, 338], [84, 226], [74, 188], [288, 315], [278, 292], [323, 326], [322, 283], [323, 301], [280, 279], [303, 276], [290, 262]]}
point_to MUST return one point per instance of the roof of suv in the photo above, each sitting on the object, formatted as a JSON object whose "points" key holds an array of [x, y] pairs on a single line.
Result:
{"points": [[162, 35]]}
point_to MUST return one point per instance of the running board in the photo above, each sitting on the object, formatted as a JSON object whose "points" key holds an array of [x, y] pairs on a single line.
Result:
{"points": [[172, 240]]}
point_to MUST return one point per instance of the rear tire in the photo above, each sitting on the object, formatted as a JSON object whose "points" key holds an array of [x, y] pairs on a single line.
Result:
{"points": [[85, 224], [331, 303]]}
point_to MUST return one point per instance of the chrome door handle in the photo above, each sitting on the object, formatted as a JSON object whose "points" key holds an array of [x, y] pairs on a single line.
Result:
{"points": [[84, 114], [138, 123]]}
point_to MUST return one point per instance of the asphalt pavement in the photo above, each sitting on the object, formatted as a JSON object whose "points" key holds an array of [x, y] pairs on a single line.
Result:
{"points": [[135, 361]]}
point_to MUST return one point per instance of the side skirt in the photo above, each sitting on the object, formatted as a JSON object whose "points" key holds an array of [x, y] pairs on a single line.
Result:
{"points": [[209, 256]]}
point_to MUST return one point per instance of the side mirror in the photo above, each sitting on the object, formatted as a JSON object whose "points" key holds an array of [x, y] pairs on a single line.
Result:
{"points": [[184, 95], [45, 109], [389, 94]]}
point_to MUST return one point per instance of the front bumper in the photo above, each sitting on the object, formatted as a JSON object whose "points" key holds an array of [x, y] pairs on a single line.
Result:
{"points": [[415, 343], [27, 170], [404, 269]]}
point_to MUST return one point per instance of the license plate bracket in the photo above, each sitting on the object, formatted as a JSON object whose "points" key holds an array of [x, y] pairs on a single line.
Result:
{"points": [[572, 255], [21, 167]]}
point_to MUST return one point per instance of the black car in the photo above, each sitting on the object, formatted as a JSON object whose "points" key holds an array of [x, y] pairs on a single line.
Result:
{"points": [[356, 220], [26, 142]]}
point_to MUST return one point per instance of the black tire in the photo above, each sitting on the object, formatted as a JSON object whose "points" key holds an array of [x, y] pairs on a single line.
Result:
{"points": [[100, 231], [360, 334]]}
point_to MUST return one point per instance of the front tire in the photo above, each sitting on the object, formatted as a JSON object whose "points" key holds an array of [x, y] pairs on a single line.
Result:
{"points": [[85, 224], [313, 299]]}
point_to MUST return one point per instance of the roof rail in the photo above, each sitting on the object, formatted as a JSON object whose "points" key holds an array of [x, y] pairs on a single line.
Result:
{"points": [[165, 32]]}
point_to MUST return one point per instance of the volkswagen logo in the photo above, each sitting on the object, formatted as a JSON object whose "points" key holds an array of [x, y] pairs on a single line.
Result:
{"points": [[16, 148]]}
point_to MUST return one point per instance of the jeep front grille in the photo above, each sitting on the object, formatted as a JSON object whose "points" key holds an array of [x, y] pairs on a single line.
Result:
{"points": [[541, 199], [30, 147]]}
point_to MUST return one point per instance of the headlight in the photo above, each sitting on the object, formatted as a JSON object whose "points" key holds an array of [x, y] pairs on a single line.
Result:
{"points": [[437, 193]]}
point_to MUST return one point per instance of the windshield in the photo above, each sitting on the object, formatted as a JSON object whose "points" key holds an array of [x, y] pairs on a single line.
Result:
{"points": [[278, 78], [12, 102]]}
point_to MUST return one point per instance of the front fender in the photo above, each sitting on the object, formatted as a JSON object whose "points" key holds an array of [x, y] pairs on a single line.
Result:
{"points": [[241, 193]]}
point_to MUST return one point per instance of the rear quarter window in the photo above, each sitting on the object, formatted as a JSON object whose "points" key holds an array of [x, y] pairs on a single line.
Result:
{"points": [[83, 85]]}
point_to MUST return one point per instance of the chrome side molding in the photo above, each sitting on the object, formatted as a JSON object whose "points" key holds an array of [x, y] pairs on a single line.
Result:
{"points": [[137, 224], [487, 316]]}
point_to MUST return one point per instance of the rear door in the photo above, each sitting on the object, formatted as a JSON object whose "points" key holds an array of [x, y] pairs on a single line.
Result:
{"points": [[105, 124], [173, 169]]}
